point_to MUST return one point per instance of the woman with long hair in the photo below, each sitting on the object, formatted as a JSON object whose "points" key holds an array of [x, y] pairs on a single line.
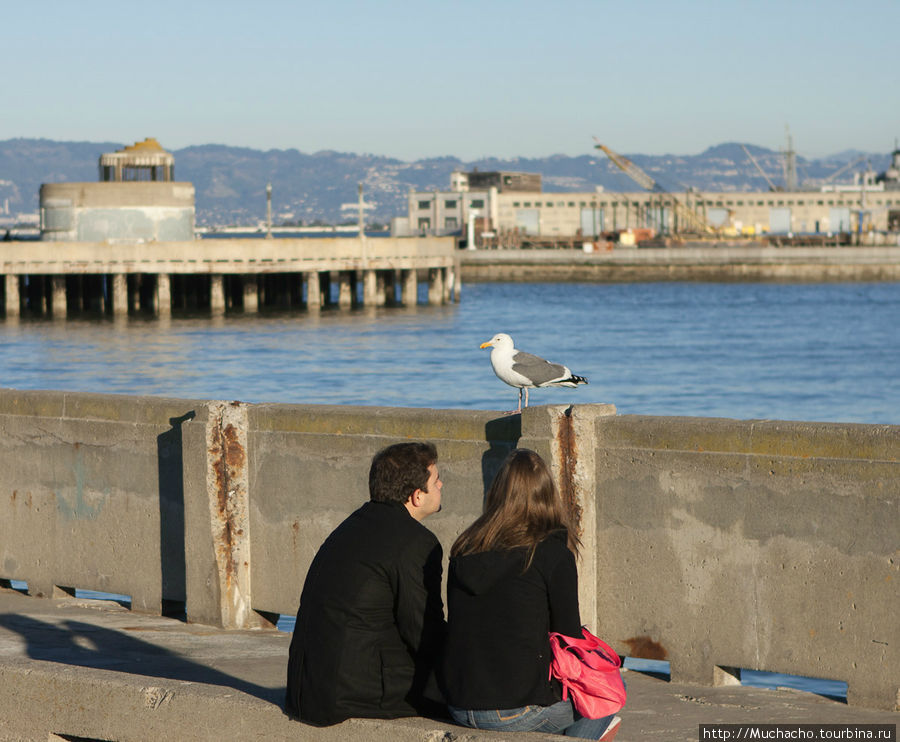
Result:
{"points": [[513, 579]]}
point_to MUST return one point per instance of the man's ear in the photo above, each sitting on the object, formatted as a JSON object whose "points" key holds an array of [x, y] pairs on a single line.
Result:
{"points": [[415, 499]]}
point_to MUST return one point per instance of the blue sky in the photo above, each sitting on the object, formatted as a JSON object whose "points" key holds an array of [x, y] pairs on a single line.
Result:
{"points": [[469, 78]]}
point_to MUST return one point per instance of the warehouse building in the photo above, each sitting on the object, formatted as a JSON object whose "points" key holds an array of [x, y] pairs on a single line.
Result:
{"points": [[505, 209]]}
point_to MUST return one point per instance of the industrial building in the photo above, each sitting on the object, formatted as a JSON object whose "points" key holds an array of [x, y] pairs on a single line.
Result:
{"points": [[511, 210]]}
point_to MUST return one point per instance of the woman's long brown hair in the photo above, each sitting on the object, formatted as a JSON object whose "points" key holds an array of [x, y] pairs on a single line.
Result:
{"points": [[521, 509]]}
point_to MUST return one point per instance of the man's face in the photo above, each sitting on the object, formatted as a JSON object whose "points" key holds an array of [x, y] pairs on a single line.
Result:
{"points": [[431, 502]]}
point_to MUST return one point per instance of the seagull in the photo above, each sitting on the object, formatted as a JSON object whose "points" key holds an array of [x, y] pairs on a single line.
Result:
{"points": [[524, 370]]}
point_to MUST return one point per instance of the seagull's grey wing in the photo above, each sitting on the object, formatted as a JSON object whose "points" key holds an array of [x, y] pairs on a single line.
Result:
{"points": [[536, 369]]}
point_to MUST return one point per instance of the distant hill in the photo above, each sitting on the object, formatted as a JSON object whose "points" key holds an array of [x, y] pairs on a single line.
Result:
{"points": [[230, 182]]}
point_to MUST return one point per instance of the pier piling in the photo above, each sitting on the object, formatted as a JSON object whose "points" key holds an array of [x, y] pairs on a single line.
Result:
{"points": [[370, 290], [435, 285], [410, 288], [120, 294], [11, 286], [164, 295], [58, 302], [217, 295], [345, 289], [313, 292], [250, 290]]}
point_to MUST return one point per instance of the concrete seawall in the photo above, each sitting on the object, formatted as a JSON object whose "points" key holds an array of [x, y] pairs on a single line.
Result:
{"points": [[715, 544], [715, 263]]}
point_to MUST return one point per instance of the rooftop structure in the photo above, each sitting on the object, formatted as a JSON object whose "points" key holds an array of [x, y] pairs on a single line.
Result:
{"points": [[145, 160], [502, 180], [890, 178]]}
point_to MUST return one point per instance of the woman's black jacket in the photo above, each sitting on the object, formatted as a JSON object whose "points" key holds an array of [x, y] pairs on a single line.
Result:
{"points": [[499, 615]]}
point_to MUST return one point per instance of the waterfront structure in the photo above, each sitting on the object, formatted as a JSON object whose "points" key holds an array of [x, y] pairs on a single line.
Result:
{"points": [[471, 203], [136, 200], [524, 216], [227, 274], [126, 244], [749, 214]]}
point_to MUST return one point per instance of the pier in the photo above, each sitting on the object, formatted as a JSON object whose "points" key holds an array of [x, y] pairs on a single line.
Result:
{"points": [[717, 545], [711, 261], [223, 275]]}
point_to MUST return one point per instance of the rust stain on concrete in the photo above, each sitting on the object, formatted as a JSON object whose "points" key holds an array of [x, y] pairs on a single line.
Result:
{"points": [[645, 648], [568, 460], [229, 460]]}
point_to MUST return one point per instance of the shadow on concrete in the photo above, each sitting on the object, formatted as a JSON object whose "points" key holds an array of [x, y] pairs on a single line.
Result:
{"points": [[170, 466], [502, 435], [87, 645]]}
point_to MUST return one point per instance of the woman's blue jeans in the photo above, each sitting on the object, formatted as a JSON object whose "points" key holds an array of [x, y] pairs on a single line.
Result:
{"points": [[560, 718]]}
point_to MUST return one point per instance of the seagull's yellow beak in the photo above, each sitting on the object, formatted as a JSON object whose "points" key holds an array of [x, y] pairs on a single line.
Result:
{"points": [[488, 344]]}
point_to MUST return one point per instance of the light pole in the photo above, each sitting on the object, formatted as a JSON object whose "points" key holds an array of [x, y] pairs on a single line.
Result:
{"points": [[268, 211]]}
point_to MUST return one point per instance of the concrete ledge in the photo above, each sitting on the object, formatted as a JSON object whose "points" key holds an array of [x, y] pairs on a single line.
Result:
{"points": [[716, 255], [227, 256], [806, 440], [61, 405], [393, 422], [92, 669], [44, 698], [723, 263]]}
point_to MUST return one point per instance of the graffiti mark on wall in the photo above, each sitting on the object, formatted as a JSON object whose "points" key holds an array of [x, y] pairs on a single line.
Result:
{"points": [[78, 502]]}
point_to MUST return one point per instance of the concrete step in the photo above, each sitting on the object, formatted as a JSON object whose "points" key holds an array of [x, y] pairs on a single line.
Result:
{"points": [[95, 670]]}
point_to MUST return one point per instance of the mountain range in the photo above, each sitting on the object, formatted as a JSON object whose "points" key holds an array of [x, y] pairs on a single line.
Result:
{"points": [[230, 182]]}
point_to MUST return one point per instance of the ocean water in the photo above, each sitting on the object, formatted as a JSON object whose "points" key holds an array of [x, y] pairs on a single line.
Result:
{"points": [[818, 352]]}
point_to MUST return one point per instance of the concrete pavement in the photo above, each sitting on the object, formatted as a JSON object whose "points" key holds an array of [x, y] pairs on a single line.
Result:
{"points": [[95, 670]]}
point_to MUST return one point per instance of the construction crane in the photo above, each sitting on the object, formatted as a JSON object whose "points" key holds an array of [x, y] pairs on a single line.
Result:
{"points": [[761, 171], [843, 169], [632, 170], [685, 214]]}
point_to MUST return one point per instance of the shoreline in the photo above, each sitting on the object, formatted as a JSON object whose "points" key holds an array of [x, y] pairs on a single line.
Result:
{"points": [[706, 264]]}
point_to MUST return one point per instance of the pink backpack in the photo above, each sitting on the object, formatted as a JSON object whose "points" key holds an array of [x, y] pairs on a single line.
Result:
{"points": [[588, 670]]}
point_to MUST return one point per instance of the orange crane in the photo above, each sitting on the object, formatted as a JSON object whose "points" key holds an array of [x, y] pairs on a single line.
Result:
{"points": [[632, 170], [686, 215]]}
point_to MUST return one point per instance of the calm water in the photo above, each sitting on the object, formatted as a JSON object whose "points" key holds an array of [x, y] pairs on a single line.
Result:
{"points": [[827, 352]]}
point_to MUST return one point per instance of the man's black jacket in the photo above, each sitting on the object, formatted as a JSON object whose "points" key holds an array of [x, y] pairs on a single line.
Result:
{"points": [[371, 621]]}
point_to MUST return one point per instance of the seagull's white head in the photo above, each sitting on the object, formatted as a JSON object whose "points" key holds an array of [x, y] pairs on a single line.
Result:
{"points": [[500, 340]]}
